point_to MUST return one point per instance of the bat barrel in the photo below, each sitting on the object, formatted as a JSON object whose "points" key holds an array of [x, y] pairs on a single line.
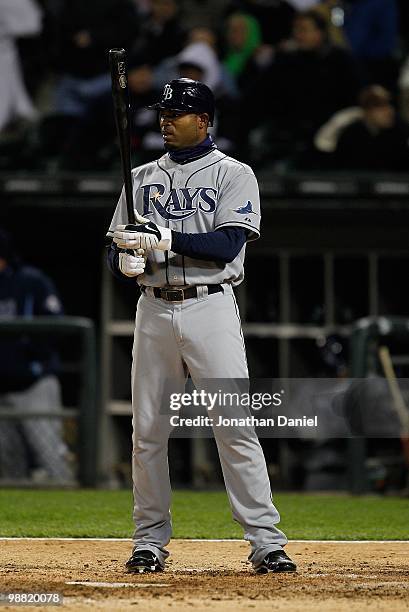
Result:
{"points": [[120, 97]]}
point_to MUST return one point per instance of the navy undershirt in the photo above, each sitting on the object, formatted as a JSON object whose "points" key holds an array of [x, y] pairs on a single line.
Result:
{"points": [[222, 245]]}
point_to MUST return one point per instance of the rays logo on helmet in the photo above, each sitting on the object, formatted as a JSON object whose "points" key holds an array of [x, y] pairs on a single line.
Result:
{"points": [[167, 92], [245, 210]]}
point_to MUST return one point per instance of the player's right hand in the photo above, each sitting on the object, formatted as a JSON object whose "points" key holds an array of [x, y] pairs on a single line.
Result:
{"points": [[144, 236], [131, 265]]}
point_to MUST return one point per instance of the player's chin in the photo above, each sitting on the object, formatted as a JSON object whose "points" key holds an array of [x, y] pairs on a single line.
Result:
{"points": [[170, 144]]}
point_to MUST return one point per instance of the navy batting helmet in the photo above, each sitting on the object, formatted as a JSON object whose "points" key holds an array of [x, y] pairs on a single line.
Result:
{"points": [[187, 96]]}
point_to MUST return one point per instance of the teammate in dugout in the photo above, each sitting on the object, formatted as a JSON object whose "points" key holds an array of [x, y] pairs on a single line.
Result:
{"points": [[196, 208]]}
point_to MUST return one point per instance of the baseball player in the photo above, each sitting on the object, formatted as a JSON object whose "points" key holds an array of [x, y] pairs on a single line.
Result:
{"points": [[28, 375], [196, 208]]}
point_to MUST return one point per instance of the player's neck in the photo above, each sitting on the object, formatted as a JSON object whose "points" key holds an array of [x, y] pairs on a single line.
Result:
{"points": [[189, 154]]}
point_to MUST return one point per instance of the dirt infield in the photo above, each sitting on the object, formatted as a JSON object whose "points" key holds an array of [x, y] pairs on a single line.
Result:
{"points": [[335, 577]]}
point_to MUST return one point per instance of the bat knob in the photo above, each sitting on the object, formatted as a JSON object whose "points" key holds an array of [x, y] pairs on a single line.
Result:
{"points": [[117, 51]]}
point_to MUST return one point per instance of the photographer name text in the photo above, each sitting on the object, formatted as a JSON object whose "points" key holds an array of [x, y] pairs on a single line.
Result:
{"points": [[249, 421]]}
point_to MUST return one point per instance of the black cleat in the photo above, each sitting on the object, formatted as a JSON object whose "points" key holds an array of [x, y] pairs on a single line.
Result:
{"points": [[276, 561], [143, 562]]}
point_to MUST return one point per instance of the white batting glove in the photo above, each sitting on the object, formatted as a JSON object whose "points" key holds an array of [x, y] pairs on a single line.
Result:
{"points": [[145, 236], [131, 265]]}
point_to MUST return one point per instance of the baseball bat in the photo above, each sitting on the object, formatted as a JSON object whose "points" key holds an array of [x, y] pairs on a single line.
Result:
{"points": [[120, 98], [397, 397]]}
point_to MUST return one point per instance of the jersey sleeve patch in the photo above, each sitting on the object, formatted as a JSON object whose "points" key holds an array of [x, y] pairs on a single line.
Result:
{"points": [[247, 209]]}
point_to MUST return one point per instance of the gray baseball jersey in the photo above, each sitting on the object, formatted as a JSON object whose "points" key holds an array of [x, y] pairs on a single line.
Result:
{"points": [[204, 195]]}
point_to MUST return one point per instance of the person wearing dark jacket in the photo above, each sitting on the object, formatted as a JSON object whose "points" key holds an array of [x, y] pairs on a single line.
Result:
{"points": [[161, 34], [307, 82], [371, 28], [86, 32], [312, 80], [28, 380], [377, 141]]}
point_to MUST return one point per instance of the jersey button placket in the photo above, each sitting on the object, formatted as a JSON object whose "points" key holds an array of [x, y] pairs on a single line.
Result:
{"points": [[177, 178], [173, 276]]}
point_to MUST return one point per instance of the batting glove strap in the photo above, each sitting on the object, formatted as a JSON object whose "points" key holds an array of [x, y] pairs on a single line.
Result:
{"points": [[165, 242]]}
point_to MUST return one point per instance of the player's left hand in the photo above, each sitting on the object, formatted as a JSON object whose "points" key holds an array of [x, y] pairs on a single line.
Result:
{"points": [[132, 264], [146, 236]]}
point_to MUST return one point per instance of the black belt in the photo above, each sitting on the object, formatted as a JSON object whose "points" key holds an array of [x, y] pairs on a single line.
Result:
{"points": [[178, 295]]}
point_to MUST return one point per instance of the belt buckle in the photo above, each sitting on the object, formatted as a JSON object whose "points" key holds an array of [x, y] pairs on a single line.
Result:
{"points": [[174, 295]]}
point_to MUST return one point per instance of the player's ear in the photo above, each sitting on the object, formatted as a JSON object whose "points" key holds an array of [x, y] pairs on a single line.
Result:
{"points": [[203, 120]]}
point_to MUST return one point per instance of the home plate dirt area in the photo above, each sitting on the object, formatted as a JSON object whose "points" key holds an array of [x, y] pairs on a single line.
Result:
{"points": [[205, 575]]}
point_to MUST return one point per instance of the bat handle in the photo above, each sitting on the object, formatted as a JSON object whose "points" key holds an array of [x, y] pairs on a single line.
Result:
{"points": [[141, 252], [135, 252]]}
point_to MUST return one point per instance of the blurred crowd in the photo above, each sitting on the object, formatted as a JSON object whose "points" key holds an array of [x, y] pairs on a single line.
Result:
{"points": [[299, 84]]}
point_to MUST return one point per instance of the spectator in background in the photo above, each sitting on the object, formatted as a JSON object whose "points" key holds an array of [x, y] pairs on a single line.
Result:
{"points": [[143, 7], [203, 56], [203, 13], [243, 37], [334, 13], [403, 83], [307, 82], [161, 34], [371, 28], [326, 75], [28, 379], [274, 17], [202, 34], [378, 141], [302, 5], [403, 22], [83, 32], [18, 18], [92, 145], [326, 139], [87, 30]]}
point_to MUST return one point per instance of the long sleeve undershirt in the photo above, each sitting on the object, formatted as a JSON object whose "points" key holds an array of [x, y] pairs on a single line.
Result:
{"points": [[221, 245]]}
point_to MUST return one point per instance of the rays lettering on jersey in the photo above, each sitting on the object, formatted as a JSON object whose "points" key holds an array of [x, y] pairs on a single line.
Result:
{"points": [[178, 204]]}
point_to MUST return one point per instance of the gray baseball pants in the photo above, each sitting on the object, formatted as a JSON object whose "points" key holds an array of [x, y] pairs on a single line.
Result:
{"points": [[41, 435], [201, 336]]}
